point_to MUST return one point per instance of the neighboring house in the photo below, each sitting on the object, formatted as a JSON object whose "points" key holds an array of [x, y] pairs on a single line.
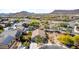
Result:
{"points": [[5, 22], [40, 33], [26, 20], [5, 19], [6, 28], [2, 25], [76, 29], [7, 38], [18, 26]]}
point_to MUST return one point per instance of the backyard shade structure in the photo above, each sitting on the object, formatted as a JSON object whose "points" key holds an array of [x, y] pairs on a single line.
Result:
{"points": [[8, 40]]}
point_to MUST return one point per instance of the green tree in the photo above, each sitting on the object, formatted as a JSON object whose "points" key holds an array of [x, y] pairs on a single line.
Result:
{"points": [[76, 39], [18, 20], [65, 18], [26, 44], [65, 39], [38, 39], [34, 23], [26, 37], [46, 26], [8, 24], [47, 17], [1, 29], [63, 25]]}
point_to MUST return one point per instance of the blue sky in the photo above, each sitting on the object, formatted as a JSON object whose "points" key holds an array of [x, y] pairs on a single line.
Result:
{"points": [[37, 6]]}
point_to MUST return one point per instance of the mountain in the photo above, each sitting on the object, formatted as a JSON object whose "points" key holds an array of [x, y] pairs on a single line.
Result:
{"points": [[76, 11], [3, 15], [18, 14]]}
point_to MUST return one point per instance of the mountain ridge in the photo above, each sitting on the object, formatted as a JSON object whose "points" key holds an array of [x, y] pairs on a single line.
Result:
{"points": [[76, 11]]}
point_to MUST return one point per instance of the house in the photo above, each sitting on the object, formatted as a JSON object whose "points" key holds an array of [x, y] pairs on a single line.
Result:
{"points": [[2, 25], [38, 32], [4, 19], [76, 27], [7, 38]]}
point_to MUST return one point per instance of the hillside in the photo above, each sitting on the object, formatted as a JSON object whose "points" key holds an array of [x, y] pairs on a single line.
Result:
{"points": [[76, 11]]}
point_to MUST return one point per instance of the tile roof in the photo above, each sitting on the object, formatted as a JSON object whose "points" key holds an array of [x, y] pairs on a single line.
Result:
{"points": [[38, 32]]}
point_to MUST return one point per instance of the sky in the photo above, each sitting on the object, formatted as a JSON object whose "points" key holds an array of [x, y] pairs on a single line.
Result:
{"points": [[37, 6]]}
